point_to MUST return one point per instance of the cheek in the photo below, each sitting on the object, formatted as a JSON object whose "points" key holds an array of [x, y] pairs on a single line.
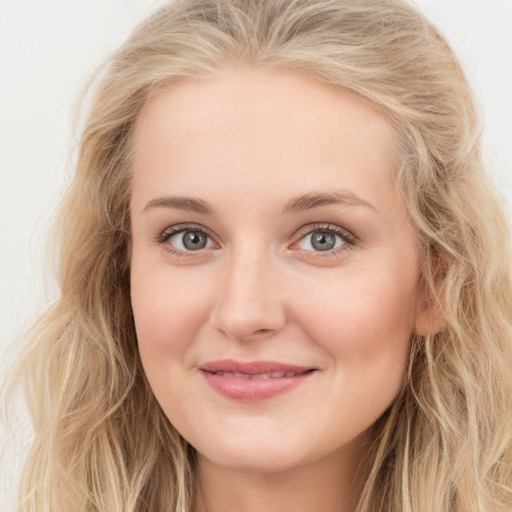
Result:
{"points": [[168, 313], [365, 322], [367, 332]]}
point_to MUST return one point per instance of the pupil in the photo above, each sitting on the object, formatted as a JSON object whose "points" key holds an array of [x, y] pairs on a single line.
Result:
{"points": [[194, 240], [323, 241]]}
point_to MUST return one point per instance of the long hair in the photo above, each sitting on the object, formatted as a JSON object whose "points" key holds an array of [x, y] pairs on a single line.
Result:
{"points": [[102, 442]]}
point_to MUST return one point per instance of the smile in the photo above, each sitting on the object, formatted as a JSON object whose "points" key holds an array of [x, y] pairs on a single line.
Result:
{"points": [[265, 375], [253, 381]]}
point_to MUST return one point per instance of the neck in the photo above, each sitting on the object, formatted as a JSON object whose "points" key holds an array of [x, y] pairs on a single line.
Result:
{"points": [[326, 485]]}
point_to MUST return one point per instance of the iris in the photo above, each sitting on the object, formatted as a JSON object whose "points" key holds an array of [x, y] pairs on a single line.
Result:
{"points": [[194, 240], [323, 241]]}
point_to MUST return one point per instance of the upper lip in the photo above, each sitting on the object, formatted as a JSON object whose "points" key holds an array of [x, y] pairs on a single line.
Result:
{"points": [[252, 367]]}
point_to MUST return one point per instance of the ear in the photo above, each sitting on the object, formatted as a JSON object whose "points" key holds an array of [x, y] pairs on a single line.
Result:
{"points": [[429, 316]]}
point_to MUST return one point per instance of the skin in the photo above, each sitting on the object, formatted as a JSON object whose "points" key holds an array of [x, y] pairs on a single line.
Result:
{"points": [[248, 143]]}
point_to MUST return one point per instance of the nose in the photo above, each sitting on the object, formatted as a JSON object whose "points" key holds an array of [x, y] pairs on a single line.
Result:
{"points": [[250, 304]]}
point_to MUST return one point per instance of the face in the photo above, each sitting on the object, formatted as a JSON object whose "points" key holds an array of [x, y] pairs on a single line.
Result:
{"points": [[274, 276]]}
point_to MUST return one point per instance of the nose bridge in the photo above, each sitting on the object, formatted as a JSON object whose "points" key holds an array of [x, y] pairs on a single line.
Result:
{"points": [[249, 301]]}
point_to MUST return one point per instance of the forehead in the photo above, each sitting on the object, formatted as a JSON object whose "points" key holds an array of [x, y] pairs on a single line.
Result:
{"points": [[252, 128]]}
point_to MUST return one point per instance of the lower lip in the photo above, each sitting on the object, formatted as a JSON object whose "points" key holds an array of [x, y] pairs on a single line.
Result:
{"points": [[253, 390]]}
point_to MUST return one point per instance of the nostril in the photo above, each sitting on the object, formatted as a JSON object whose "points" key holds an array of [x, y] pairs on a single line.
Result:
{"points": [[262, 331], [238, 333], [244, 310]]}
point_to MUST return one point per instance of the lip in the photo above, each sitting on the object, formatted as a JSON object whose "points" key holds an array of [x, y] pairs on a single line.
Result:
{"points": [[253, 381]]}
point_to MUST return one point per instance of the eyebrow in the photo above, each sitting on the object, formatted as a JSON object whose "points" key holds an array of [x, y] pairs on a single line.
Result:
{"points": [[315, 200], [297, 204], [187, 204]]}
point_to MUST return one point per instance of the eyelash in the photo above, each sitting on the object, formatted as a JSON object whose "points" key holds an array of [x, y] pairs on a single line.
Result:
{"points": [[175, 230], [347, 238]]}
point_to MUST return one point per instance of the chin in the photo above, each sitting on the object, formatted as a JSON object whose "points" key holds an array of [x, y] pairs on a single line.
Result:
{"points": [[256, 463], [250, 455]]}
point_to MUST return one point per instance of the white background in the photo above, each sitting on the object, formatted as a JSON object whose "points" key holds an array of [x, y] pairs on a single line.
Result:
{"points": [[47, 50]]}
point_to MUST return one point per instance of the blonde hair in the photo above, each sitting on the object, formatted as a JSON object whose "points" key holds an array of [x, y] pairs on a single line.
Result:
{"points": [[101, 441]]}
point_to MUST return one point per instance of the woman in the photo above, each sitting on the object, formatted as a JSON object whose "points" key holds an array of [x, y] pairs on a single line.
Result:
{"points": [[285, 280]]}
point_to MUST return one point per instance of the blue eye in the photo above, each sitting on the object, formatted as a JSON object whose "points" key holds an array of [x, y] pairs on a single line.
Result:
{"points": [[321, 240], [189, 240]]}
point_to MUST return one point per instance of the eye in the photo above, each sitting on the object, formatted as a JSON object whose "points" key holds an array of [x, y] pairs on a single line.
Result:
{"points": [[181, 239], [324, 239], [189, 240], [320, 241]]}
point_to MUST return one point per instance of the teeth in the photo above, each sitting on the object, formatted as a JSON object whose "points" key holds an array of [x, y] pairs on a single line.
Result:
{"points": [[260, 376], [265, 375]]}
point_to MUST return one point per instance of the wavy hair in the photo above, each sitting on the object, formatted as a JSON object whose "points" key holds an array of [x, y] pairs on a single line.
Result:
{"points": [[102, 443]]}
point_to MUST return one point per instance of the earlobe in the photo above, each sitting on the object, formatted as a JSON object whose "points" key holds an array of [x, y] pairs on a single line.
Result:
{"points": [[430, 318], [430, 314]]}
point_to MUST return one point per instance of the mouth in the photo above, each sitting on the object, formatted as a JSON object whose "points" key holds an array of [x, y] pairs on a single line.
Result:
{"points": [[253, 381], [264, 375]]}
